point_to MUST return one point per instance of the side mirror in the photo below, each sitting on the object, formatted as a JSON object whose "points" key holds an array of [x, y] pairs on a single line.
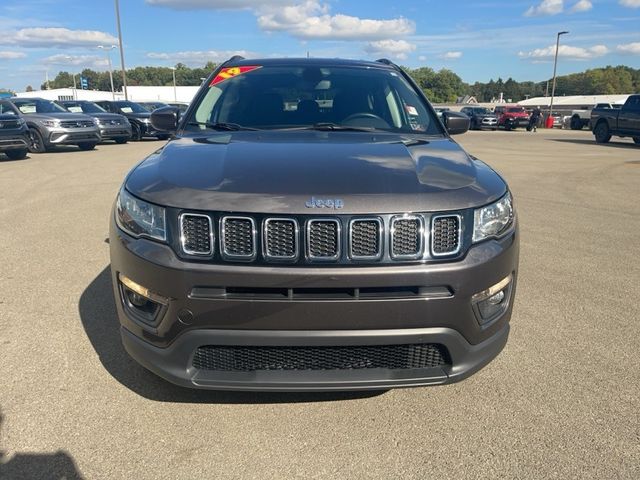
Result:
{"points": [[455, 122], [165, 119]]}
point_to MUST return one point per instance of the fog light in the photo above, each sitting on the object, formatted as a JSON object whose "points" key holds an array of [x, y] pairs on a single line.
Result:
{"points": [[492, 302], [140, 302]]}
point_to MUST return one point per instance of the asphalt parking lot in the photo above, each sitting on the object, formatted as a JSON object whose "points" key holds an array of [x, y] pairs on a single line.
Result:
{"points": [[561, 401]]}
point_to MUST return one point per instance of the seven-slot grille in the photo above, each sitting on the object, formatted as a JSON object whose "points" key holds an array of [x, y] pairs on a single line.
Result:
{"points": [[76, 123], [323, 239], [365, 239], [196, 235], [280, 239], [406, 237], [238, 237], [224, 358], [445, 235]]}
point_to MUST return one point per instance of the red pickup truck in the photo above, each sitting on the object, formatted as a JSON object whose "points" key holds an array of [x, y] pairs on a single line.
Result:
{"points": [[511, 116]]}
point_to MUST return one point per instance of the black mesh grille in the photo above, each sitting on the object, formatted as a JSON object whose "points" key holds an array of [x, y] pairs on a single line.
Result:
{"points": [[238, 237], [9, 124], [76, 124], [196, 234], [365, 238], [323, 239], [405, 239], [446, 235], [247, 359], [280, 239]]}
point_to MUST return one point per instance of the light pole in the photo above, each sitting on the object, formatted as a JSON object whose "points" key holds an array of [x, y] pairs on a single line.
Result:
{"points": [[108, 51], [75, 90], [553, 86], [175, 93], [124, 75]]}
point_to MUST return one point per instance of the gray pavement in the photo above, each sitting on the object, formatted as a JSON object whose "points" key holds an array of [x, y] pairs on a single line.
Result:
{"points": [[561, 401]]}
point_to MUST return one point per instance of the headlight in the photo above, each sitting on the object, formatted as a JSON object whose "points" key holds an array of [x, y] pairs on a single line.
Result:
{"points": [[139, 218], [97, 122], [492, 220], [50, 123]]}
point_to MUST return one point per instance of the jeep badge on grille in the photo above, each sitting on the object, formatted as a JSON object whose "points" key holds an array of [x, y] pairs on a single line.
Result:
{"points": [[336, 203]]}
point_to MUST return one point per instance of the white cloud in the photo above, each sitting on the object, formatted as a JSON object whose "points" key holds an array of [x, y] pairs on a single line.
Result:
{"points": [[582, 6], [546, 7], [217, 4], [451, 55], [422, 58], [631, 48], [56, 37], [198, 58], [311, 20], [82, 61], [565, 51], [630, 3], [10, 55], [395, 48]]}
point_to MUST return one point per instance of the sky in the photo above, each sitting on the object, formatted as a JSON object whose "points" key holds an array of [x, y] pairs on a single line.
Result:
{"points": [[478, 40]]}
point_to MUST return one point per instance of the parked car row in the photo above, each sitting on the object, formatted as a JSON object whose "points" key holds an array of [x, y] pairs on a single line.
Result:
{"points": [[37, 125], [508, 117]]}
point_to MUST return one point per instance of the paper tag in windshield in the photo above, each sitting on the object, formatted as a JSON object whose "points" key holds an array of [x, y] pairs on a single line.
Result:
{"points": [[230, 72], [411, 110]]}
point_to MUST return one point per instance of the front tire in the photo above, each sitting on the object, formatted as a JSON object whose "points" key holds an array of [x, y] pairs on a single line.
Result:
{"points": [[136, 133], [576, 123], [121, 141], [636, 140], [17, 154], [86, 146], [36, 142], [602, 133], [163, 137]]}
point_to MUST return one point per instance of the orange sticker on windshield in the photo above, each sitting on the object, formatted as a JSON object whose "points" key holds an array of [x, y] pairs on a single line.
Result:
{"points": [[231, 72]]}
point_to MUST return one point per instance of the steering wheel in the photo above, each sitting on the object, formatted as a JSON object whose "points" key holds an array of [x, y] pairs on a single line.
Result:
{"points": [[370, 120]]}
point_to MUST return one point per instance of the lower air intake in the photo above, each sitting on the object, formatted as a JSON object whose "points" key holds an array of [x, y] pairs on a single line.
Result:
{"points": [[249, 359]]}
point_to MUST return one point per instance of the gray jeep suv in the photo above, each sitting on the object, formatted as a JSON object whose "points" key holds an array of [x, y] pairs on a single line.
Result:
{"points": [[312, 225], [50, 125]]}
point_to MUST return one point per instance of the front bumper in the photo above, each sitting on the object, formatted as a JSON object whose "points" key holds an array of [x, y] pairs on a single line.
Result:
{"points": [[73, 136], [167, 348], [489, 123], [13, 141], [110, 132]]}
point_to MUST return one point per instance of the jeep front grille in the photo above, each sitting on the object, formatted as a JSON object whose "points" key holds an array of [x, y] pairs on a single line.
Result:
{"points": [[238, 238], [223, 358], [323, 239], [365, 239], [445, 235], [280, 239], [196, 235], [407, 234]]}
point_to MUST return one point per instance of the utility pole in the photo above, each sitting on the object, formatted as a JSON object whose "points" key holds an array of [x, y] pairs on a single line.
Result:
{"points": [[555, 68], [175, 93], [124, 75], [108, 51]]}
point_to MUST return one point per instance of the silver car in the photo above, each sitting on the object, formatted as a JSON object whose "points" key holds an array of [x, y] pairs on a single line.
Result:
{"points": [[112, 126], [50, 125]]}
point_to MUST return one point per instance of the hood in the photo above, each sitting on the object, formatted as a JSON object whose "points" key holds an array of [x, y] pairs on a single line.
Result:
{"points": [[516, 114], [278, 172], [140, 116], [107, 116], [56, 115]]}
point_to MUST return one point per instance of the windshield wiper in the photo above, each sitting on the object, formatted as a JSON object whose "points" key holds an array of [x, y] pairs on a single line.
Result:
{"points": [[328, 126], [221, 126]]}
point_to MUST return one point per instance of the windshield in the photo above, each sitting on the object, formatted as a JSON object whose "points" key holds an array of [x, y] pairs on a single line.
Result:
{"points": [[38, 106], [481, 111], [130, 107], [83, 107], [278, 97]]}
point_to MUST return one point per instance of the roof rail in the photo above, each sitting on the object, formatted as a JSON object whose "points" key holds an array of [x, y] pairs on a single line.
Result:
{"points": [[386, 61], [235, 58]]}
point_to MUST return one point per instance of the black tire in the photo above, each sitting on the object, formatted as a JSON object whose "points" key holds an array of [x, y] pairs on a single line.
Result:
{"points": [[163, 137], [576, 123], [636, 140], [136, 133], [87, 146], [17, 154], [121, 141], [36, 142], [602, 133]]}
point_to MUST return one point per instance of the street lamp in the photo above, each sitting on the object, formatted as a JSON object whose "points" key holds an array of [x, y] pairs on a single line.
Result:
{"points": [[75, 91], [124, 75], [108, 51], [175, 93], [553, 87]]}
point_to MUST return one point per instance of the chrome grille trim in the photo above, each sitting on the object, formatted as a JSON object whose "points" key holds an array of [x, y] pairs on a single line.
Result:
{"points": [[181, 218], [459, 246], [420, 238], [380, 249], [333, 258], [265, 240], [223, 247]]}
